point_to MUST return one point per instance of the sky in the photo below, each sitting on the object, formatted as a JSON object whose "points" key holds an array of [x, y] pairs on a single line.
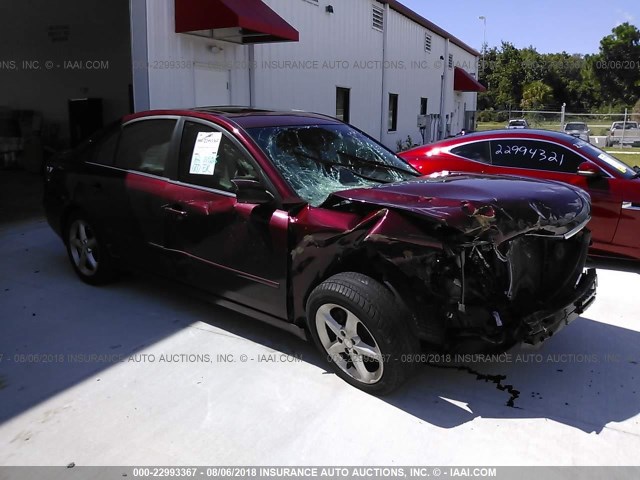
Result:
{"points": [[574, 26]]}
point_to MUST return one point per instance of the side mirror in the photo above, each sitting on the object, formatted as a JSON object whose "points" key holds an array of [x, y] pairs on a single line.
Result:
{"points": [[251, 191], [589, 170]]}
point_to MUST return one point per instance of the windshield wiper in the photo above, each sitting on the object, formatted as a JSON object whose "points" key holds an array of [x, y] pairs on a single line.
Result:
{"points": [[340, 164], [377, 164]]}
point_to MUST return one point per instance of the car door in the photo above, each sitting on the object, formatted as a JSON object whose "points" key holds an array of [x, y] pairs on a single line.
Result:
{"points": [[143, 160], [627, 232], [234, 250], [551, 161], [125, 175]]}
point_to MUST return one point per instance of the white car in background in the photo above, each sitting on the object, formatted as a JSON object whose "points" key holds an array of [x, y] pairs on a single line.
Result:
{"points": [[578, 130], [517, 123]]}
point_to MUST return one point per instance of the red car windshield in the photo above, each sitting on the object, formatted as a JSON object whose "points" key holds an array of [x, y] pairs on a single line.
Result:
{"points": [[621, 168]]}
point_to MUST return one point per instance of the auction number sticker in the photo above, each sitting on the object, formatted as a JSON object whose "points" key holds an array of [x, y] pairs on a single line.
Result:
{"points": [[205, 153]]}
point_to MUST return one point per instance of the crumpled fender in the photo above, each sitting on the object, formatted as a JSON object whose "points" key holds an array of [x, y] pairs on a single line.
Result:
{"points": [[321, 253]]}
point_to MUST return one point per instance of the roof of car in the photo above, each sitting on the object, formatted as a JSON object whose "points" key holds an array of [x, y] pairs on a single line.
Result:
{"points": [[246, 117], [524, 132]]}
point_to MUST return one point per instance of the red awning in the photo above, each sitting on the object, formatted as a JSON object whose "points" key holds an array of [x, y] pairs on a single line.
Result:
{"points": [[237, 21], [464, 82]]}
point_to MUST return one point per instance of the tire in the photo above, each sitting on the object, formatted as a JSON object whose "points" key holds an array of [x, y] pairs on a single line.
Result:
{"points": [[87, 251], [355, 322]]}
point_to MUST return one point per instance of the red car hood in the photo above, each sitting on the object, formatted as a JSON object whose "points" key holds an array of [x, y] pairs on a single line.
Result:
{"points": [[498, 206]]}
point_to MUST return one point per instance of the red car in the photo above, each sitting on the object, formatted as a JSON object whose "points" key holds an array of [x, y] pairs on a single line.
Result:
{"points": [[306, 223], [614, 186]]}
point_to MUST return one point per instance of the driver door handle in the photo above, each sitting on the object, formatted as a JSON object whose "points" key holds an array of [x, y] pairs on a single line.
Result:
{"points": [[175, 210]]}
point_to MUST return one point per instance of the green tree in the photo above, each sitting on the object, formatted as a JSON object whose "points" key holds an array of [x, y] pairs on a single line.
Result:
{"points": [[486, 100], [504, 75], [563, 75], [618, 76], [509, 76], [535, 65], [536, 95], [636, 111]]}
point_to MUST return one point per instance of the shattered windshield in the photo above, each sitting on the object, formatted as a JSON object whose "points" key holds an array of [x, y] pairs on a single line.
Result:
{"points": [[318, 160]]}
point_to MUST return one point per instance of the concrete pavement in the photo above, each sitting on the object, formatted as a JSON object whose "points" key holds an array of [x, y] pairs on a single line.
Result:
{"points": [[136, 373]]}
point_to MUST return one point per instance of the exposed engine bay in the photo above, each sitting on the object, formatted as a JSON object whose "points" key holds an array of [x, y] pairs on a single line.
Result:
{"points": [[487, 297]]}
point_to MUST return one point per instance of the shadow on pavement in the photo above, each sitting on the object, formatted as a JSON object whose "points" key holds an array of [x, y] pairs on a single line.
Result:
{"points": [[55, 331], [585, 377]]}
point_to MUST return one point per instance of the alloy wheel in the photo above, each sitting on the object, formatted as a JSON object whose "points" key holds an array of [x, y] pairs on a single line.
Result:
{"points": [[83, 246], [349, 343]]}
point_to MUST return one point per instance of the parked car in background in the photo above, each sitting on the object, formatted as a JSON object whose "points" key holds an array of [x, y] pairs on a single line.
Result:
{"points": [[623, 133], [306, 223], [577, 129], [517, 123], [614, 186]]}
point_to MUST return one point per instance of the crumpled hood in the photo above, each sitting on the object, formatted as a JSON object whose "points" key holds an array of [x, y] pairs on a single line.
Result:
{"points": [[494, 206]]}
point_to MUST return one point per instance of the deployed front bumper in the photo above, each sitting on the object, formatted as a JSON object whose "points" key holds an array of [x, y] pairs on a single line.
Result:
{"points": [[544, 323]]}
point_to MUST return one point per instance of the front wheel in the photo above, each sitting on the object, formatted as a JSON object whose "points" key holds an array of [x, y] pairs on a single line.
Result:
{"points": [[87, 251], [357, 324]]}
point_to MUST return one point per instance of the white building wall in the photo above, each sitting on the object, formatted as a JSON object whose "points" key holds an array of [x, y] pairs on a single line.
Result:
{"points": [[413, 74], [339, 49], [462, 101], [174, 58]]}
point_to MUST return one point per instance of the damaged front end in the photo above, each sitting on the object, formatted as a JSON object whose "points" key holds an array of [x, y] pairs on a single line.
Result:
{"points": [[483, 296], [474, 273]]}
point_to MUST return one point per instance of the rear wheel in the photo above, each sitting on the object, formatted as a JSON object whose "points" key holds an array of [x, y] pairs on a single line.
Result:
{"points": [[356, 323], [87, 251]]}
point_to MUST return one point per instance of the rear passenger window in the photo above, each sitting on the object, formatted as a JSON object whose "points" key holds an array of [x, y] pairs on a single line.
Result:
{"points": [[144, 146], [534, 155], [104, 150], [208, 158], [478, 151]]}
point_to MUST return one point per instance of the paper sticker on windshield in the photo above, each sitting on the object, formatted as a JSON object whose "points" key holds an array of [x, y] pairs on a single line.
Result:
{"points": [[613, 162], [205, 153]]}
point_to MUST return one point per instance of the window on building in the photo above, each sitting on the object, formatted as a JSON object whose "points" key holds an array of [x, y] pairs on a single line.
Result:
{"points": [[423, 105], [534, 155], [202, 165], [450, 60], [393, 112], [378, 18], [144, 146], [427, 42], [343, 103]]}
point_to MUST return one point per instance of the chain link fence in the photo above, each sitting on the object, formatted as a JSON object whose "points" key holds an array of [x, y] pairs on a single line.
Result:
{"points": [[598, 123]]}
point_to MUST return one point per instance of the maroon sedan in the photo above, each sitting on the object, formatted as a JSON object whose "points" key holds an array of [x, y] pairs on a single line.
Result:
{"points": [[614, 186], [306, 223]]}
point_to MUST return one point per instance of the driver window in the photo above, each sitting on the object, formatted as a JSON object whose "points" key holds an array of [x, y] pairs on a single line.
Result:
{"points": [[208, 158]]}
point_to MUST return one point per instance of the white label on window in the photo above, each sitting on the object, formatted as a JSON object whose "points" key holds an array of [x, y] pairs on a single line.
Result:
{"points": [[613, 162], [205, 153]]}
